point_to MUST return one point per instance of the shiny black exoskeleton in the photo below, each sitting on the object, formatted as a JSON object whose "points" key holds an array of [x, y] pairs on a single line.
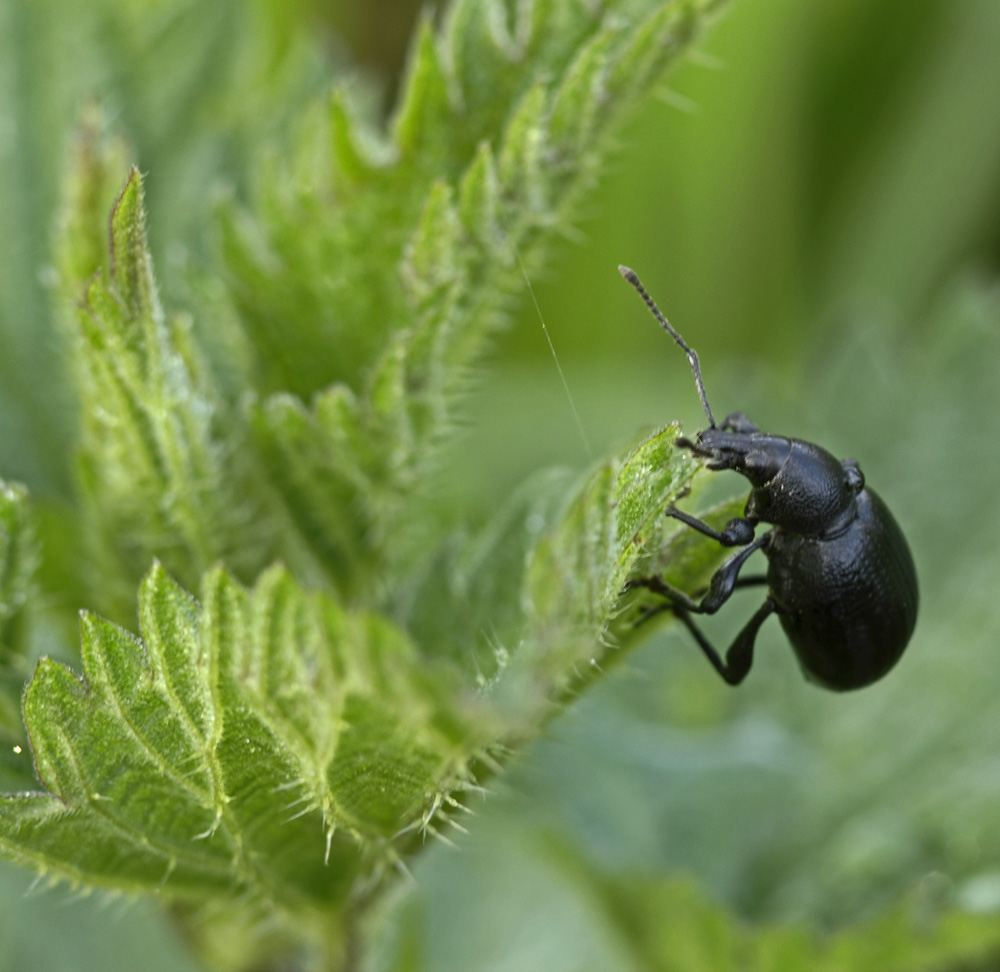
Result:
{"points": [[840, 576]]}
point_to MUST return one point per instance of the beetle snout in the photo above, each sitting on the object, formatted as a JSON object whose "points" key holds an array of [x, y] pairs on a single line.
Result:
{"points": [[713, 442], [705, 445], [754, 455]]}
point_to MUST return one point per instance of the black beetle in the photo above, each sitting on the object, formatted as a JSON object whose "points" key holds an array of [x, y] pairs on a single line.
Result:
{"points": [[840, 574]]}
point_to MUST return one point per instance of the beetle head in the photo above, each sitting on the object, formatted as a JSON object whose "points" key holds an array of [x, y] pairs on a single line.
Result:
{"points": [[796, 485], [758, 457]]}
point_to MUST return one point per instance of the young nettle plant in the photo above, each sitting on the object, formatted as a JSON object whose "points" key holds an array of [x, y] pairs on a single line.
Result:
{"points": [[320, 675]]}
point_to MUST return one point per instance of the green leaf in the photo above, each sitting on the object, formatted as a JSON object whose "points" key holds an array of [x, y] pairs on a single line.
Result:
{"points": [[431, 261], [415, 307], [262, 743], [269, 745], [479, 199], [154, 479], [351, 161], [280, 748], [426, 104], [581, 95], [90, 187], [521, 156], [19, 552], [579, 571], [131, 265], [577, 574]]}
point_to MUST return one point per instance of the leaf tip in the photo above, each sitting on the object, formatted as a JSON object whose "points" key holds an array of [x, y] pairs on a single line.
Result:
{"points": [[89, 622], [130, 265], [129, 199]]}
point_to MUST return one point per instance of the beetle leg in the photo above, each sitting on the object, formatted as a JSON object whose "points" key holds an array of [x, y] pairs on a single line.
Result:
{"points": [[752, 580], [737, 532], [675, 599], [749, 580], [724, 581], [739, 655]]}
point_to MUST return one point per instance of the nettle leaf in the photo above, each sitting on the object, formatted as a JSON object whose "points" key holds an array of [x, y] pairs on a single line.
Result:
{"points": [[153, 478], [273, 747], [576, 578], [427, 100], [91, 183], [263, 744], [503, 122], [19, 552], [19, 559], [282, 746]]}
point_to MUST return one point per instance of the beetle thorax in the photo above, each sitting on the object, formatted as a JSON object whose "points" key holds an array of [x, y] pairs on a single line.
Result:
{"points": [[812, 494]]}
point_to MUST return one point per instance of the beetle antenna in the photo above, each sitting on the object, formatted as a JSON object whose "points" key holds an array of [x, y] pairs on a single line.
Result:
{"points": [[692, 355]]}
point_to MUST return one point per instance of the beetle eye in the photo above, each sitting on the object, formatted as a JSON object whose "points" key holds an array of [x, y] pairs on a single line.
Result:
{"points": [[854, 478]]}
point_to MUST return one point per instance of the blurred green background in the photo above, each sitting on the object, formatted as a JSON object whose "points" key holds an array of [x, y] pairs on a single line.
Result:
{"points": [[815, 202]]}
